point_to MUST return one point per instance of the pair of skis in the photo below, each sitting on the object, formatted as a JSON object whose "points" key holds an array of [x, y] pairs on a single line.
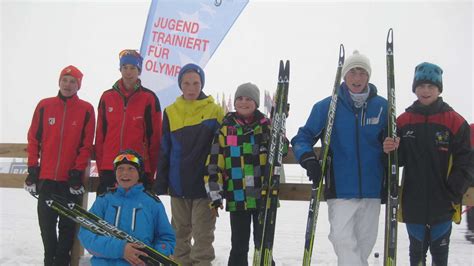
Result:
{"points": [[390, 242], [273, 171], [99, 226]]}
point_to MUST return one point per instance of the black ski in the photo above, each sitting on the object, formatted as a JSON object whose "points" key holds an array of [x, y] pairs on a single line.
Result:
{"points": [[99, 226], [273, 170], [316, 189], [391, 211]]}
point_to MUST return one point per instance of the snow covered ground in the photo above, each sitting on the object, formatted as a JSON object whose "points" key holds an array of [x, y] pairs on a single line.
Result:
{"points": [[20, 241]]}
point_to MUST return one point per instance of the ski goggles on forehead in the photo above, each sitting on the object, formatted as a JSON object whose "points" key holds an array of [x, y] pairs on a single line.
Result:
{"points": [[129, 52], [129, 157]]}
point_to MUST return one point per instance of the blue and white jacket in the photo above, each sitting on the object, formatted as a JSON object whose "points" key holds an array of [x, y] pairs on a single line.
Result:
{"points": [[356, 167], [134, 212]]}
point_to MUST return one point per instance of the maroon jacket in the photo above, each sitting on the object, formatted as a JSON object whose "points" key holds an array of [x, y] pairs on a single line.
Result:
{"points": [[132, 122], [60, 136]]}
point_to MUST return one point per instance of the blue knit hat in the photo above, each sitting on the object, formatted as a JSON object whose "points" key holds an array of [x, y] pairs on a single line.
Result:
{"points": [[131, 57], [194, 68], [428, 73]]}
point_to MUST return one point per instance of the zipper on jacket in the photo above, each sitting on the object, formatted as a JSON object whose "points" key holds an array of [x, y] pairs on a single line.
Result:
{"points": [[363, 114], [358, 154], [425, 177], [328, 173], [60, 141], [125, 102], [134, 218], [362, 124], [118, 210]]}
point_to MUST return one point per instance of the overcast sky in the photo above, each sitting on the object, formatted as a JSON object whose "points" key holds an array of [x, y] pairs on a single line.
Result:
{"points": [[39, 38]]}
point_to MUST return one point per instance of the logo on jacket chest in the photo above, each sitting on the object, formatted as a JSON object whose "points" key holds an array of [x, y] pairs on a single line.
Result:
{"points": [[51, 121], [374, 120], [442, 138], [110, 109], [409, 134]]}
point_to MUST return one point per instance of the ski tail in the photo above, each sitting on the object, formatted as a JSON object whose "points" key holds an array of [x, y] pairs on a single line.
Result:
{"points": [[391, 212], [316, 189], [273, 170], [99, 226]]}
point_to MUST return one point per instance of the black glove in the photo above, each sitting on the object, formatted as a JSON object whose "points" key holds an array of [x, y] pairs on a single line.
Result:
{"points": [[106, 182], [32, 179], [313, 168], [216, 205], [75, 182]]}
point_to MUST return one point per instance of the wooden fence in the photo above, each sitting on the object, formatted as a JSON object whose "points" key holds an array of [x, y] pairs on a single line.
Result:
{"points": [[288, 191]]}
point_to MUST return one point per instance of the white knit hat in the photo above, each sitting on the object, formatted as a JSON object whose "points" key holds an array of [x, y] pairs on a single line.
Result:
{"points": [[356, 60]]}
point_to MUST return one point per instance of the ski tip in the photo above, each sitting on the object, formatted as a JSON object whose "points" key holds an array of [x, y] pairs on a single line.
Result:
{"points": [[342, 54], [390, 36], [342, 51]]}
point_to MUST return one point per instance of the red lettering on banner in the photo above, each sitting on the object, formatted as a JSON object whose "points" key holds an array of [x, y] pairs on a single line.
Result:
{"points": [[197, 44], [176, 25], [158, 51], [162, 68], [168, 33], [187, 42], [168, 69]]}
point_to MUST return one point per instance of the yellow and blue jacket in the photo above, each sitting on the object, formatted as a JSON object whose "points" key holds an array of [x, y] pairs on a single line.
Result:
{"points": [[188, 130]]}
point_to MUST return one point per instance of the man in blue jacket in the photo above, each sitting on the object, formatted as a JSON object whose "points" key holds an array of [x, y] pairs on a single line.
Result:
{"points": [[354, 176], [132, 210]]}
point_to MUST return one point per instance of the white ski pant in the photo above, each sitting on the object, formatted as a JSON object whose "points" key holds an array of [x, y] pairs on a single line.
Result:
{"points": [[354, 224]]}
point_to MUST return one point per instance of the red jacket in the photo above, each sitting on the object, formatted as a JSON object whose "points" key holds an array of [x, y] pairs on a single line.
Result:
{"points": [[132, 122], [60, 136]]}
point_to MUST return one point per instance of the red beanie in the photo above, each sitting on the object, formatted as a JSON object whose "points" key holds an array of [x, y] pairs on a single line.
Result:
{"points": [[74, 72]]}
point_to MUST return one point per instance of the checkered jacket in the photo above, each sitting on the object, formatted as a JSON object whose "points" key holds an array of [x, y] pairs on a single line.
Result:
{"points": [[235, 165]]}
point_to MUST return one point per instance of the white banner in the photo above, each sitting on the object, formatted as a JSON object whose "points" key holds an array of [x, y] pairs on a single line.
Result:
{"points": [[180, 32]]}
